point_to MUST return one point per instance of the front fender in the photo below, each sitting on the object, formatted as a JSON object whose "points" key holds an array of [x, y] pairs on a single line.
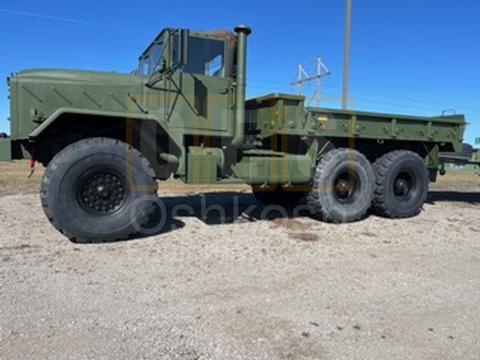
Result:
{"points": [[64, 110], [50, 122]]}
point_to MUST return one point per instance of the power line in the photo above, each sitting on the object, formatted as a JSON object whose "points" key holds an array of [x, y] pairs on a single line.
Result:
{"points": [[63, 60], [398, 85], [402, 101], [407, 100], [331, 97], [69, 38], [86, 22], [65, 19]]}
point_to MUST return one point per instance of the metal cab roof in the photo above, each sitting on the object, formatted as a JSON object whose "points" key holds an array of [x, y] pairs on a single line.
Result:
{"points": [[220, 34]]}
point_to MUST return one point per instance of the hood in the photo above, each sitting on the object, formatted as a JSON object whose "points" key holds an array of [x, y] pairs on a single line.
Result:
{"points": [[76, 76], [37, 93]]}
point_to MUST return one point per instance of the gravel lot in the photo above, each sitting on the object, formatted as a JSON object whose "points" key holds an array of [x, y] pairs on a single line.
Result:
{"points": [[282, 288]]}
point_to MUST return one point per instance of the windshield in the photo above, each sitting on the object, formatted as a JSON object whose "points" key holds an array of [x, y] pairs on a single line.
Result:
{"points": [[152, 60]]}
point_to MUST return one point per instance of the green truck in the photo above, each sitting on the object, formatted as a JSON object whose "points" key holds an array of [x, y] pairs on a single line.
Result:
{"points": [[107, 138]]}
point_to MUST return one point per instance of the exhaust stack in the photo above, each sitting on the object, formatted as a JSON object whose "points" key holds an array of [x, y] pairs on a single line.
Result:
{"points": [[242, 32]]}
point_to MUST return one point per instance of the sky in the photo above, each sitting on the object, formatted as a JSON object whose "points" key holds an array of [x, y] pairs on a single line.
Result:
{"points": [[415, 57]]}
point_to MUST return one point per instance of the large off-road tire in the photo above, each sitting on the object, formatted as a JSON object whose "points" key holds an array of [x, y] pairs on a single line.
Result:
{"points": [[98, 189], [343, 187], [402, 180], [277, 195]]}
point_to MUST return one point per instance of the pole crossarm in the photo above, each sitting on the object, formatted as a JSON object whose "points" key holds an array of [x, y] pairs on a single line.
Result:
{"points": [[303, 77]]}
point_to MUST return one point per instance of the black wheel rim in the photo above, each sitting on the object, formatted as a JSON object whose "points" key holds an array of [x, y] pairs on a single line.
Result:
{"points": [[404, 186], [102, 192], [346, 186]]}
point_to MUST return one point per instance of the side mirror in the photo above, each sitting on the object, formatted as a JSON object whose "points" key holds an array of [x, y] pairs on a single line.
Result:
{"points": [[183, 47]]}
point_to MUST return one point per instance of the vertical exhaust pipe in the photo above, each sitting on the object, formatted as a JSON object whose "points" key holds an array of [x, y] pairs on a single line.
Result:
{"points": [[242, 32]]}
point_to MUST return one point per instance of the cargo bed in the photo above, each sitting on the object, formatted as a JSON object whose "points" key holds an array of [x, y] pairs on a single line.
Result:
{"points": [[286, 114]]}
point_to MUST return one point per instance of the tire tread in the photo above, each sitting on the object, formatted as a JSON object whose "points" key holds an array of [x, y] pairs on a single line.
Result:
{"points": [[64, 155], [381, 168], [318, 211]]}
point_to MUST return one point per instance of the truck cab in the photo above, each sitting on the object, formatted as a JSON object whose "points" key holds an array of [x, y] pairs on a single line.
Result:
{"points": [[190, 80]]}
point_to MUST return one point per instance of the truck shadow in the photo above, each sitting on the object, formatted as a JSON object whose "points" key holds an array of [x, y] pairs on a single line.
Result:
{"points": [[214, 208], [219, 208], [453, 196]]}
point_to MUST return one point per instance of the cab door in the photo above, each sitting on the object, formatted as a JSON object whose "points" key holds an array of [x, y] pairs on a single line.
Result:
{"points": [[206, 87]]}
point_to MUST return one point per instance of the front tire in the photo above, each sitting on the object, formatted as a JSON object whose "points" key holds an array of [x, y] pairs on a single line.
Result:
{"points": [[342, 188], [98, 189], [402, 180]]}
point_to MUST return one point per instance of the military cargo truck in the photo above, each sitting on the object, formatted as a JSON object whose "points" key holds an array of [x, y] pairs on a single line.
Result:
{"points": [[107, 138]]}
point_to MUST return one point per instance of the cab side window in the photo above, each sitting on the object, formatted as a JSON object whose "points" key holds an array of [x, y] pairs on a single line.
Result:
{"points": [[206, 57]]}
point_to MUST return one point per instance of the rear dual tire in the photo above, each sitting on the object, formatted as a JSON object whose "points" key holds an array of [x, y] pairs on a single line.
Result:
{"points": [[402, 180], [346, 186]]}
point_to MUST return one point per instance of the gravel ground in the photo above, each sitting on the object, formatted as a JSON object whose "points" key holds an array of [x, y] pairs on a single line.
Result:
{"points": [[282, 288]]}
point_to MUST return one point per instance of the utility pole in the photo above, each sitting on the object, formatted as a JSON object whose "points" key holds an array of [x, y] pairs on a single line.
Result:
{"points": [[346, 54], [302, 77]]}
